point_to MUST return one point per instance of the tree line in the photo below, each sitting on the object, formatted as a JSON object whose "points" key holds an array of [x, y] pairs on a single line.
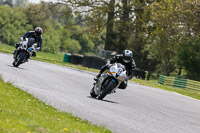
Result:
{"points": [[163, 34], [61, 31]]}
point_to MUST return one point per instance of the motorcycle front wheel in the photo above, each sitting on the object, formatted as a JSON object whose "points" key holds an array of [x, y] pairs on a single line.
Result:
{"points": [[107, 90], [92, 93], [17, 62]]}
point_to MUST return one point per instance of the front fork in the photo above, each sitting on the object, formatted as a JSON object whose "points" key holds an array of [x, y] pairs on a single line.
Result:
{"points": [[16, 52], [105, 84]]}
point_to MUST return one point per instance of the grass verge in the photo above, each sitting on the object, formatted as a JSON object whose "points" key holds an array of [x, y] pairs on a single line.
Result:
{"points": [[22, 113], [155, 84], [58, 58]]}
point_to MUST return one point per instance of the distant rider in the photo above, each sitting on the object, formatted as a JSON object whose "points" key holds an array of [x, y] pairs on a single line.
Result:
{"points": [[125, 59], [36, 35]]}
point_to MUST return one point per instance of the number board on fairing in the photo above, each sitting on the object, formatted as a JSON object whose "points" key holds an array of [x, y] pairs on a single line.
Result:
{"points": [[120, 70]]}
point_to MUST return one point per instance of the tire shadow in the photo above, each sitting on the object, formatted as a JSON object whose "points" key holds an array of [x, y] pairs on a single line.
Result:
{"points": [[103, 100], [17, 67]]}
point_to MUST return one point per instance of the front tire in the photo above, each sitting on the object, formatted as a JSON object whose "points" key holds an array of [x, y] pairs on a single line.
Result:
{"points": [[16, 63], [107, 90], [92, 93]]}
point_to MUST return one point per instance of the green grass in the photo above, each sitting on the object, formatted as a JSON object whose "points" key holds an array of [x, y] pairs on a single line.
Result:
{"points": [[6, 48], [57, 59], [22, 113], [155, 84]]}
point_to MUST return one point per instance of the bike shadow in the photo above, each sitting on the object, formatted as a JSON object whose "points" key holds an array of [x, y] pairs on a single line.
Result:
{"points": [[103, 100], [17, 67]]}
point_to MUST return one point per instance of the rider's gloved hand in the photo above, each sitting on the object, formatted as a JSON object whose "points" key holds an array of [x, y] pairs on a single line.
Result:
{"points": [[107, 62], [129, 77], [21, 39]]}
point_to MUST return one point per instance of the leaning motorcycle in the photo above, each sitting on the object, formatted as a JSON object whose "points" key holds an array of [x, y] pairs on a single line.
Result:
{"points": [[109, 81], [24, 51]]}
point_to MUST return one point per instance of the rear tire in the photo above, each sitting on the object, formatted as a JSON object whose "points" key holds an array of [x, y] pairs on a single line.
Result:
{"points": [[108, 89]]}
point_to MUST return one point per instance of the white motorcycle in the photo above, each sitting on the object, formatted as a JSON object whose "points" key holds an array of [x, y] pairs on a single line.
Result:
{"points": [[24, 51], [109, 81]]}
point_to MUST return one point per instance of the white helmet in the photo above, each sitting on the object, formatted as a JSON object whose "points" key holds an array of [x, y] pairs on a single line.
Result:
{"points": [[127, 56]]}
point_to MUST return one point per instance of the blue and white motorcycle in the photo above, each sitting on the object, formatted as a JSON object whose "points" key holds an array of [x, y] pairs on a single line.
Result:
{"points": [[109, 81], [24, 51]]}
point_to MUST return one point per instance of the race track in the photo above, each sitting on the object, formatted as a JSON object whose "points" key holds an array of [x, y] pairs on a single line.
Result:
{"points": [[138, 109]]}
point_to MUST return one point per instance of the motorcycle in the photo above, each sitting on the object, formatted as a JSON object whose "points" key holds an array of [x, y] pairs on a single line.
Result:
{"points": [[109, 81], [24, 51]]}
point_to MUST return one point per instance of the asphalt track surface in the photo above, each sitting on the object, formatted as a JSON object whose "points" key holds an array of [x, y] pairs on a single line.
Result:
{"points": [[138, 109]]}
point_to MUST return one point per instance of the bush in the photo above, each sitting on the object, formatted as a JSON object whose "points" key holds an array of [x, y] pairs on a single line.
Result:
{"points": [[13, 23]]}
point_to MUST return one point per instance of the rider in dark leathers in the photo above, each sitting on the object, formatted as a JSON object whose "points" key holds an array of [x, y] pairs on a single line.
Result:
{"points": [[125, 59], [36, 35]]}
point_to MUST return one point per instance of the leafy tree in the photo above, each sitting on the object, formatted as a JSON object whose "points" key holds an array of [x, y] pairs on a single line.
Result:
{"points": [[39, 15], [95, 26], [95, 13], [171, 23], [51, 42], [110, 35], [79, 34], [13, 24], [163, 38], [52, 18], [132, 31], [72, 46], [189, 57], [65, 36], [123, 29]]}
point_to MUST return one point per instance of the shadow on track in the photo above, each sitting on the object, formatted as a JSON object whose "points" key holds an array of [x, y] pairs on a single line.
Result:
{"points": [[103, 100], [17, 67]]}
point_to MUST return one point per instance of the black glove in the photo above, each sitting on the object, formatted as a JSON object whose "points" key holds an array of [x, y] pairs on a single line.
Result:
{"points": [[21, 39], [24, 38], [129, 77], [108, 62]]}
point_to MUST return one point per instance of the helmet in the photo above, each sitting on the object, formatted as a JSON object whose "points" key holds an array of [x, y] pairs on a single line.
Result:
{"points": [[127, 56], [38, 31]]}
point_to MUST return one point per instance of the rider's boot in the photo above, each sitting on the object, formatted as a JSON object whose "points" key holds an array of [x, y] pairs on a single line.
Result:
{"points": [[34, 54]]}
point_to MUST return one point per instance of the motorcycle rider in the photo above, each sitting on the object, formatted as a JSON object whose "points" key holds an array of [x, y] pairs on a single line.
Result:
{"points": [[36, 35], [125, 59]]}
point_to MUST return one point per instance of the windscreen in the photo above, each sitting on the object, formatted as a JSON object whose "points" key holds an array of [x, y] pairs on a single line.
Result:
{"points": [[31, 41], [121, 66]]}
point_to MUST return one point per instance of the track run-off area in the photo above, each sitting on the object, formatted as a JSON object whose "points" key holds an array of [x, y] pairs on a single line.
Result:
{"points": [[137, 109]]}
